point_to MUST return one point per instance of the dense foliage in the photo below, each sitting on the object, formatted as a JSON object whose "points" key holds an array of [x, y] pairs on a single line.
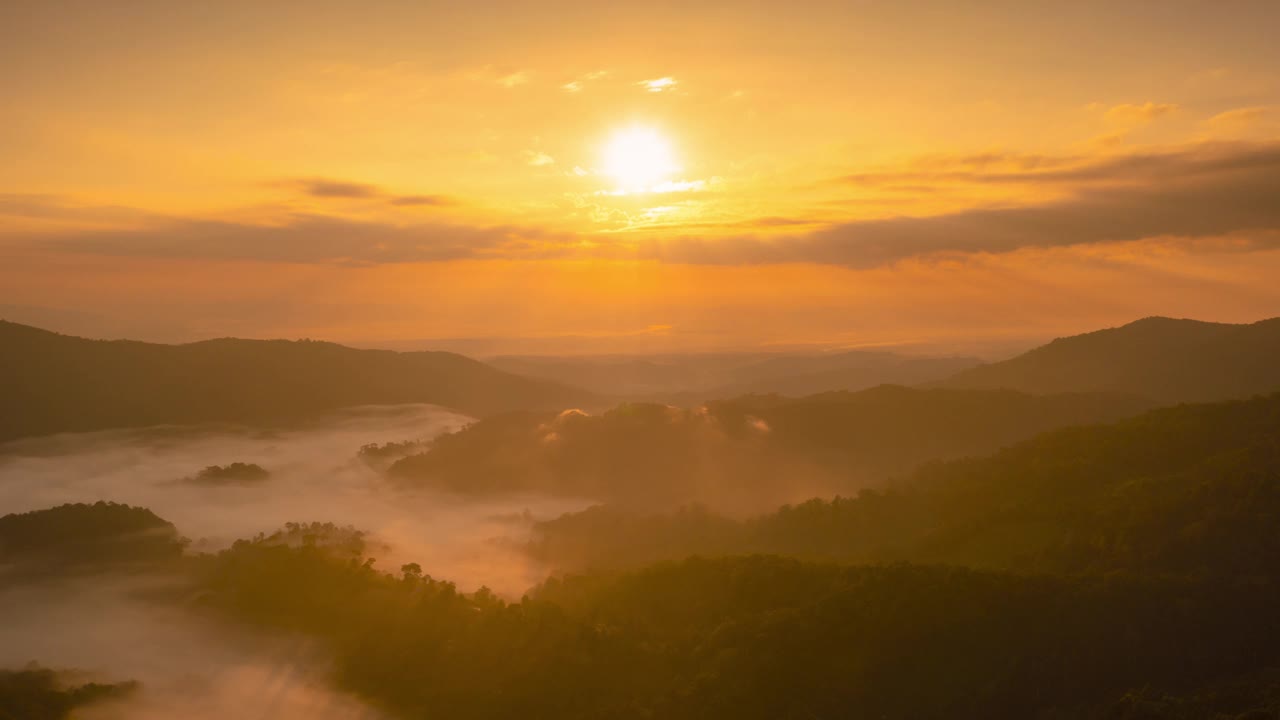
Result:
{"points": [[236, 473], [1162, 358], [746, 454], [1113, 572], [87, 536], [381, 456], [1190, 489], [763, 637], [36, 693]]}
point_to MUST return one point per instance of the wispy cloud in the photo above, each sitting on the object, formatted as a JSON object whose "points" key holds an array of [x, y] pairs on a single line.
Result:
{"points": [[1073, 170], [329, 189], [657, 85], [308, 238], [420, 200], [510, 80], [320, 187], [57, 207], [1238, 117], [1196, 192], [1205, 191], [1130, 114], [506, 77], [578, 84], [538, 159]]}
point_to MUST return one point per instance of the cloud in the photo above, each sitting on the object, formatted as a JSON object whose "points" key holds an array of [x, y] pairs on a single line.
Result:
{"points": [[679, 186], [772, 221], [1237, 117], [57, 208], [420, 200], [1197, 192], [1129, 169], [1129, 114], [1207, 191], [319, 187], [328, 189], [658, 85], [307, 238], [538, 159], [578, 84], [510, 80], [503, 76]]}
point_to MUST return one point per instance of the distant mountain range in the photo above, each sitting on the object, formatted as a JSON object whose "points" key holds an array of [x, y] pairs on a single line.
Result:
{"points": [[1187, 489], [55, 383], [1161, 358], [692, 378], [747, 453], [1164, 359]]}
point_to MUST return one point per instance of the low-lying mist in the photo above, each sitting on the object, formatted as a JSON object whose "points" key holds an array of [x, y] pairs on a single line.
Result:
{"points": [[112, 628], [314, 474]]}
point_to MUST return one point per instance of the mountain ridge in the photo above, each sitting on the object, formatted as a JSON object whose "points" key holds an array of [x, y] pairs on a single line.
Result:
{"points": [[1168, 359], [61, 383]]}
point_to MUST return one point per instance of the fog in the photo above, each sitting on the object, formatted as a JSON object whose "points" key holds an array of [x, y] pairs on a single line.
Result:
{"points": [[190, 667], [315, 476], [116, 629]]}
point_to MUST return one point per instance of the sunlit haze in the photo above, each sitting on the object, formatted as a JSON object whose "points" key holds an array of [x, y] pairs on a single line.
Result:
{"points": [[638, 159], [597, 359], [824, 173]]}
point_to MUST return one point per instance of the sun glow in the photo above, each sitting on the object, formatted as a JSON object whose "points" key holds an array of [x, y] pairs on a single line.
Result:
{"points": [[638, 158]]}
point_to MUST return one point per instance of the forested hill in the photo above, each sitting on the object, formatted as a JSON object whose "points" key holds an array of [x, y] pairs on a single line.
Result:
{"points": [[1115, 572], [1187, 489], [1162, 358], [56, 383], [750, 453]]}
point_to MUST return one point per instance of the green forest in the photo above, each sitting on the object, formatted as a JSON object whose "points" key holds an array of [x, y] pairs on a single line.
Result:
{"points": [[1125, 570]]}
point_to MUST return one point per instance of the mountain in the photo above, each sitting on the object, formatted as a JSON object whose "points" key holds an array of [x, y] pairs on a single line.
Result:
{"points": [[55, 383], [693, 378], [747, 453], [1162, 358], [851, 371], [767, 638], [87, 536], [1192, 489], [631, 376]]}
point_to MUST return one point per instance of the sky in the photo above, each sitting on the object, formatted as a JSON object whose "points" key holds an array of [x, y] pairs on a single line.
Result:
{"points": [[637, 177]]}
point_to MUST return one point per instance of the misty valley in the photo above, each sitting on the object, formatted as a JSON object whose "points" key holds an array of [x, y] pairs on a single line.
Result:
{"points": [[1086, 530], [663, 360]]}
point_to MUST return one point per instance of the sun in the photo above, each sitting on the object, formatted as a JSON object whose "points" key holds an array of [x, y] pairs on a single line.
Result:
{"points": [[637, 158]]}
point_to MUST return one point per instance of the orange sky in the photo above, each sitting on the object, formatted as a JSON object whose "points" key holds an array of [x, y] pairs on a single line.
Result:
{"points": [[840, 174]]}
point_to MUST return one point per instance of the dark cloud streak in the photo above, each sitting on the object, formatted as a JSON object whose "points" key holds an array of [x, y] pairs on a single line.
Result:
{"points": [[1199, 192], [324, 188], [1202, 192], [1036, 169], [302, 239]]}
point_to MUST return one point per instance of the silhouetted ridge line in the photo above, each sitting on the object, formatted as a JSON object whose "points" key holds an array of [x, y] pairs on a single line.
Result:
{"points": [[1172, 360], [56, 383]]}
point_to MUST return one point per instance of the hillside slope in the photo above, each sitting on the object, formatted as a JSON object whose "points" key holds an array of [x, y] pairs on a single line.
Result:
{"points": [[1187, 489], [1162, 358], [55, 383], [744, 454], [693, 378]]}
